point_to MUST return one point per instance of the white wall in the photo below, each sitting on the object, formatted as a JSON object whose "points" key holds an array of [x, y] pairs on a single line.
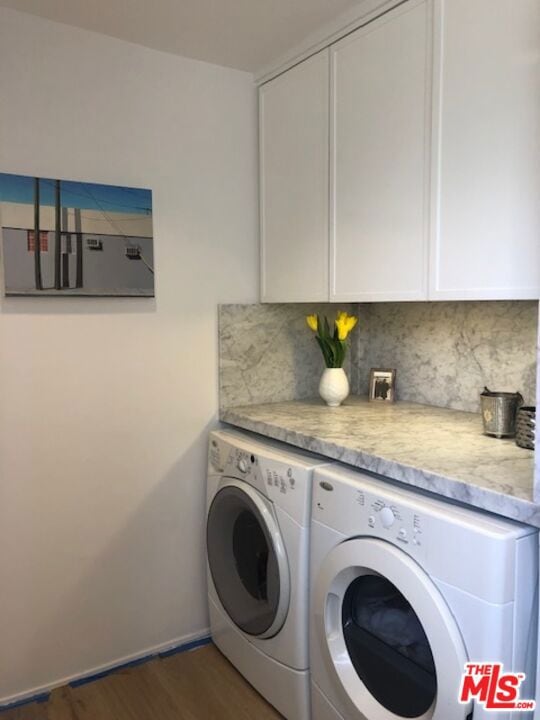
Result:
{"points": [[105, 404]]}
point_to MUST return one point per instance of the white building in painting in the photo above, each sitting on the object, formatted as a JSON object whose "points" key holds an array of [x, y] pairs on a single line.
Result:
{"points": [[116, 251]]}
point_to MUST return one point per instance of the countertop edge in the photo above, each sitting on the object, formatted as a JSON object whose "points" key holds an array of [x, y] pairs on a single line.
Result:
{"points": [[508, 506]]}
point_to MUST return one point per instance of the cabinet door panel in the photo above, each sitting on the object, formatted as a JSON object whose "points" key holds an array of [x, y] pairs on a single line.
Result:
{"points": [[294, 183], [486, 234], [380, 141]]}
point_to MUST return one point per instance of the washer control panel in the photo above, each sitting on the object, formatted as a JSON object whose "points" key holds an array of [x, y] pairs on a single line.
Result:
{"points": [[368, 511], [242, 465], [282, 476], [234, 461]]}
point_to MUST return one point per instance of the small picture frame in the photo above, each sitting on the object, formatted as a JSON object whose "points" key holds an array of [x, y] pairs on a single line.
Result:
{"points": [[382, 385]]}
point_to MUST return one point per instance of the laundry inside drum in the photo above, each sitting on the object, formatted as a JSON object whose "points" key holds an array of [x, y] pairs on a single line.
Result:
{"points": [[388, 646]]}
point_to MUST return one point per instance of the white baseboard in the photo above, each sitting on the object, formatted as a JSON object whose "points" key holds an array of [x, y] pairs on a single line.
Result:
{"points": [[36, 692]]}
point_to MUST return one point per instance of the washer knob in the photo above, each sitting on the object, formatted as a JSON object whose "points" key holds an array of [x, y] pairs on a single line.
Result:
{"points": [[242, 465], [387, 517]]}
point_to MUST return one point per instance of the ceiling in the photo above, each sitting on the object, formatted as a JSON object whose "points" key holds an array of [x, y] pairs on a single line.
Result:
{"points": [[244, 34]]}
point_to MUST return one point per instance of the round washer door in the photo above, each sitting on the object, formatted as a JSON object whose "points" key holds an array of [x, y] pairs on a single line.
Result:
{"points": [[388, 638], [247, 559]]}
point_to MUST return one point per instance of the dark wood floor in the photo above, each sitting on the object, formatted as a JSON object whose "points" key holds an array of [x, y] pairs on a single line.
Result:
{"points": [[196, 685]]}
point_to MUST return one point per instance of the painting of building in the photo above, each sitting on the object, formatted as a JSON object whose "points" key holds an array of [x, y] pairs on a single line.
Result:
{"points": [[94, 240]]}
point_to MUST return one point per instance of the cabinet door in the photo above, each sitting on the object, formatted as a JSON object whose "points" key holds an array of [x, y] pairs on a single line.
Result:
{"points": [[486, 234], [294, 183], [380, 158]]}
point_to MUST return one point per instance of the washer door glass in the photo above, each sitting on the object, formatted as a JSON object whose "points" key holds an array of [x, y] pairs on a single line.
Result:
{"points": [[386, 642], [243, 559]]}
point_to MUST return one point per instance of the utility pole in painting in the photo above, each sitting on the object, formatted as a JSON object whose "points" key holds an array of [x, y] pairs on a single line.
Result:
{"points": [[57, 236], [37, 238], [79, 246]]}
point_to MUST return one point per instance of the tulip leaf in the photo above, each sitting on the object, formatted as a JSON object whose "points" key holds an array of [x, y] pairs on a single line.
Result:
{"points": [[326, 327], [332, 347]]}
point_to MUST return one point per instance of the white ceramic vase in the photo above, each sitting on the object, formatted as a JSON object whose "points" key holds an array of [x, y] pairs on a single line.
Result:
{"points": [[334, 386]]}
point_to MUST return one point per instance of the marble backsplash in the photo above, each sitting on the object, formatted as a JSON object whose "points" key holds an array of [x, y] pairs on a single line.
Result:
{"points": [[444, 353], [268, 354]]}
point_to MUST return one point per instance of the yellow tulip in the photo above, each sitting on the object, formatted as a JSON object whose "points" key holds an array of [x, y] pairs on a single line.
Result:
{"points": [[345, 323], [312, 322]]}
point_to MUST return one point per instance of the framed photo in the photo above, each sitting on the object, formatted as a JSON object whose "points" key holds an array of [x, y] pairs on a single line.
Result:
{"points": [[382, 385], [64, 237]]}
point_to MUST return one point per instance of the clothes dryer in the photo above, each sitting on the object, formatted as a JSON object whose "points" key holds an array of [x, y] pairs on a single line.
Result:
{"points": [[405, 589]]}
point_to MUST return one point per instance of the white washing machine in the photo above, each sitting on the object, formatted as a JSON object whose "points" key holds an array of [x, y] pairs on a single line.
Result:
{"points": [[405, 589], [258, 526]]}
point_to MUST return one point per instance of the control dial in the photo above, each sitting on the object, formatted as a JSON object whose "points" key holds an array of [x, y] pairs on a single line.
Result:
{"points": [[242, 465], [387, 517]]}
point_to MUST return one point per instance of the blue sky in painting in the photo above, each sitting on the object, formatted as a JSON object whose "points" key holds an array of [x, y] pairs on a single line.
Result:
{"points": [[89, 196]]}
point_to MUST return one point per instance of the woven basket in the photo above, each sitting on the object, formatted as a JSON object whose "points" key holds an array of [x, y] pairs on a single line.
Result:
{"points": [[525, 427]]}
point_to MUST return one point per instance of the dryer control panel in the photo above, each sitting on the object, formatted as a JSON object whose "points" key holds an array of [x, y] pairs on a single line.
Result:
{"points": [[395, 520], [364, 511], [438, 534]]}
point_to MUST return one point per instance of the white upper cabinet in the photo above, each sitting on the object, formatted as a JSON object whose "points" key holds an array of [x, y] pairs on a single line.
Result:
{"points": [[486, 159], [403, 163], [294, 183], [380, 116]]}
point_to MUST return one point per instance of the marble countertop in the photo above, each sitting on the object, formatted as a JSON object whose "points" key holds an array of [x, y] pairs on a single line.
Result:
{"points": [[443, 451]]}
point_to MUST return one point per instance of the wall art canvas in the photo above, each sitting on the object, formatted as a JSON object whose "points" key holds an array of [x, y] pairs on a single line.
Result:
{"points": [[64, 238]]}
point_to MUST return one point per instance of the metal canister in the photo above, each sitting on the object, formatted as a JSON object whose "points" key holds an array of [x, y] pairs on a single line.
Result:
{"points": [[499, 412], [526, 427]]}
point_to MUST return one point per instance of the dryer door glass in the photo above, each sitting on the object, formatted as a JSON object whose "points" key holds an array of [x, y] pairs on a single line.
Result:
{"points": [[388, 646], [243, 561]]}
